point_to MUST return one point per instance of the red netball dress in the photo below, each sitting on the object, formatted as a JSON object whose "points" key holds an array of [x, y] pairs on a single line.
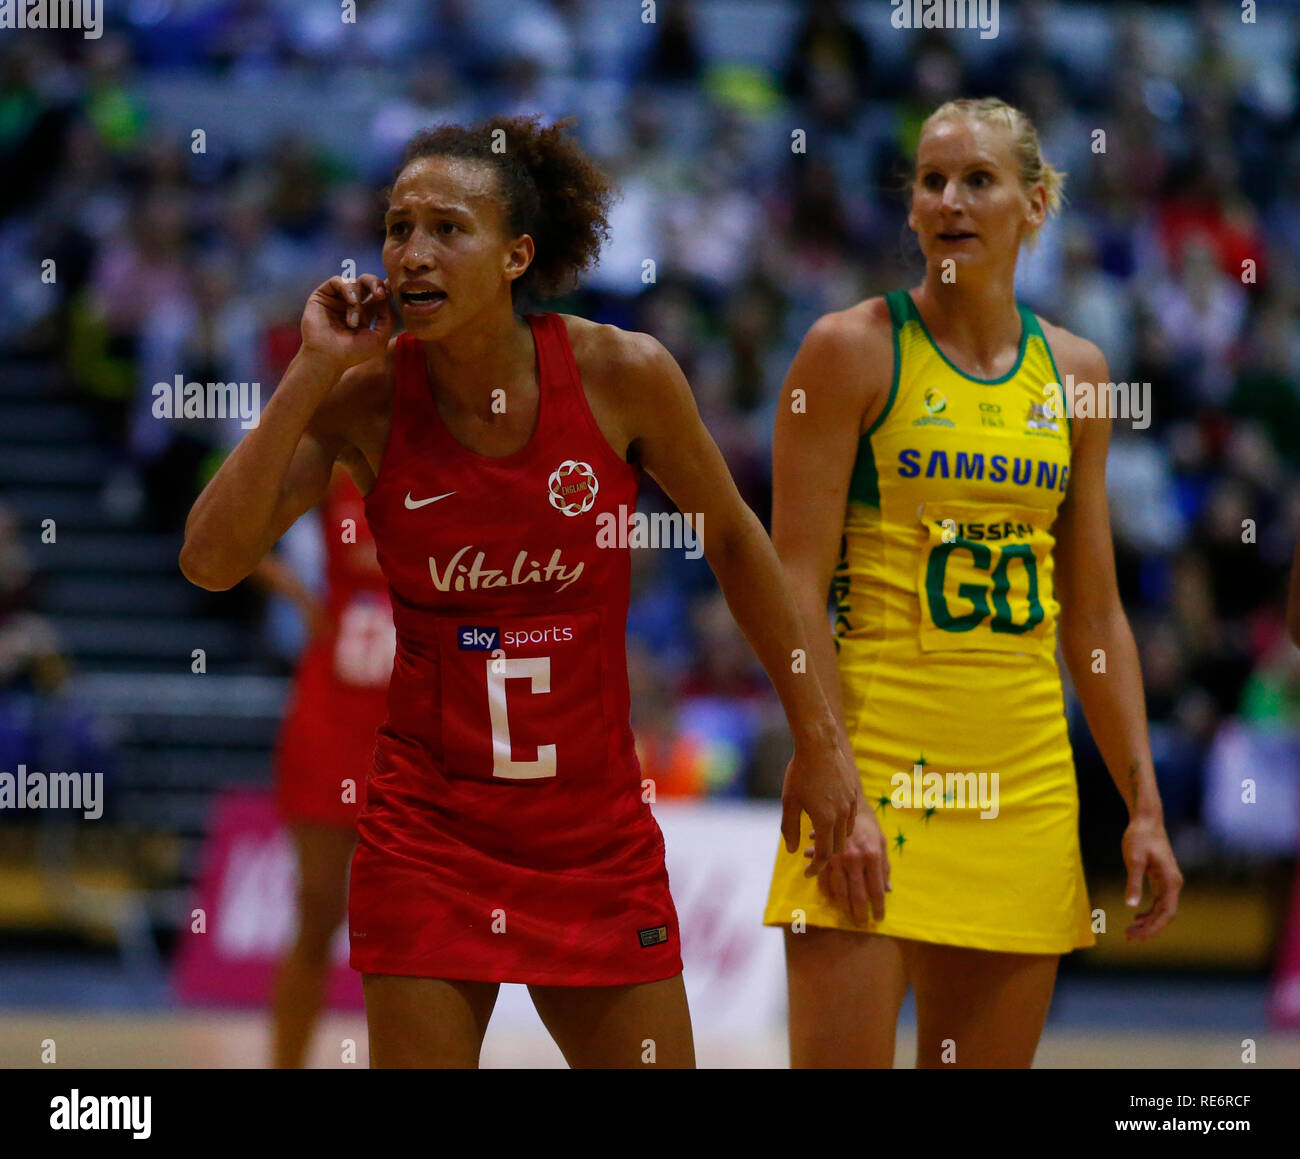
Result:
{"points": [[327, 743], [505, 837]]}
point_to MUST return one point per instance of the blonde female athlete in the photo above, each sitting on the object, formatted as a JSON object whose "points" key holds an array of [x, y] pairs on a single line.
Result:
{"points": [[931, 472]]}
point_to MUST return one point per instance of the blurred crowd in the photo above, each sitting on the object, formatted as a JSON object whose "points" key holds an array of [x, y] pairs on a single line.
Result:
{"points": [[43, 728], [1177, 253]]}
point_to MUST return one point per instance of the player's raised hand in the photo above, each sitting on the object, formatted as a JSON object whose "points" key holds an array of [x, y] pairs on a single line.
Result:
{"points": [[1147, 854], [348, 321], [820, 780]]}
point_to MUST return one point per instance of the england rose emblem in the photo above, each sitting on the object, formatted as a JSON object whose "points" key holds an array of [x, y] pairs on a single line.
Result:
{"points": [[573, 487]]}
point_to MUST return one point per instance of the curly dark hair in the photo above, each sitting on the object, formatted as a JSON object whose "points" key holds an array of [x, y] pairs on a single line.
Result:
{"points": [[551, 189]]}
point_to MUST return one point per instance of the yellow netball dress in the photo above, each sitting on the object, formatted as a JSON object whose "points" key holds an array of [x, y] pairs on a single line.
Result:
{"points": [[945, 628]]}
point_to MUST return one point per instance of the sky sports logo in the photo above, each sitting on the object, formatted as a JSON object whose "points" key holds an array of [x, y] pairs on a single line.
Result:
{"points": [[472, 638], [478, 639]]}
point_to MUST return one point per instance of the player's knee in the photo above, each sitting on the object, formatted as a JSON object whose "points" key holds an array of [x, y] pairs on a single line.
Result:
{"points": [[320, 910], [314, 942]]}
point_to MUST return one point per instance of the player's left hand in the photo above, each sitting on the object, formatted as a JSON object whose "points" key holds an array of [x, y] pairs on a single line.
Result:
{"points": [[1147, 853], [822, 781]]}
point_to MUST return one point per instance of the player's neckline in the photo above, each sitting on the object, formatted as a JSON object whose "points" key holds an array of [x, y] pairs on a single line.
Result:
{"points": [[1022, 346], [444, 432]]}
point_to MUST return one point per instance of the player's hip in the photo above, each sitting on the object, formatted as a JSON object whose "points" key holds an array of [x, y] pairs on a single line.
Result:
{"points": [[997, 884], [418, 812]]}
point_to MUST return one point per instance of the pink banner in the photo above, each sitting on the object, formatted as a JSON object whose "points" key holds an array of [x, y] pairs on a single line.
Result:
{"points": [[1284, 1008], [245, 896]]}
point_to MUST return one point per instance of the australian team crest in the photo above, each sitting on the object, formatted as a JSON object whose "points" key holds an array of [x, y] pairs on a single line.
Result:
{"points": [[1042, 417], [573, 487]]}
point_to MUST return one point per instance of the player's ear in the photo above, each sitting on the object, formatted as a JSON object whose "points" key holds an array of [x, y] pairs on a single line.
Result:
{"points": [[1036, 213], [519, 256]]}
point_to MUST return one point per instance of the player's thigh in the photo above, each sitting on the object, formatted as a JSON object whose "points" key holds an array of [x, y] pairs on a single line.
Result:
{"points": [[426, 1022], [324, 853], [648, 1024], [978, 1008], [846, 989]]}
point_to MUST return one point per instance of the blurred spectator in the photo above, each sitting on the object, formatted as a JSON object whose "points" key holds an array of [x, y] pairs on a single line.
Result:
{"points": [[1271, 698], [710, 227], [1098, 303], [1146, 522], [1202, 207], [1180, 720], [676, 57], [430, 98], [1202, 313], [829, 67], [135, 273], [40, 726], [1266, 389]]}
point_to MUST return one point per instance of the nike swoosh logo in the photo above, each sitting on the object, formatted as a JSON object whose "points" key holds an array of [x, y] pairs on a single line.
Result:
{"points": [[412, 504]]}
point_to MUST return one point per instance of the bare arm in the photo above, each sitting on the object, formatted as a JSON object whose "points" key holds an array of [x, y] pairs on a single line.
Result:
{"points": [[282, 466], [678, 451], [272, 574], [1100, 652], [279, 470], [1096, 640], [841, 372], [839, 379]]}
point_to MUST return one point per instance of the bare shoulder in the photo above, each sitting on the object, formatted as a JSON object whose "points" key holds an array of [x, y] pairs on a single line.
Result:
{"points": [[1079, 361], [623, 372], [1072, 354], [605, 352], [860, 333], [626, 374], [847, 360]]}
